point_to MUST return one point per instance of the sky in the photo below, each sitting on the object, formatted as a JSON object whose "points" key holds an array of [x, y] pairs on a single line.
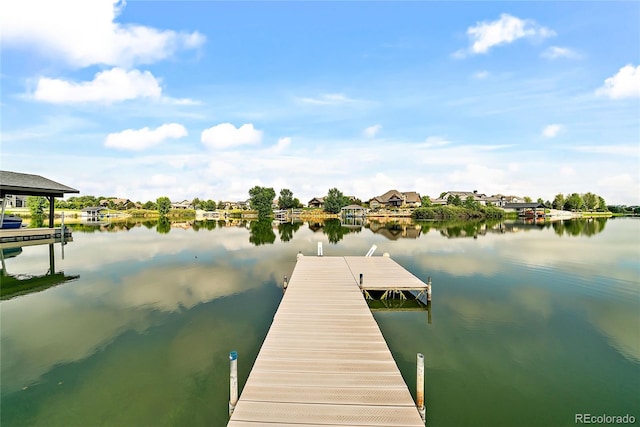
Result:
{"points": [[207, 99]]}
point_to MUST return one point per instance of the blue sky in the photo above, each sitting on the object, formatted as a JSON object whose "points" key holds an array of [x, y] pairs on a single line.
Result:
{"points": [[207, 99]]}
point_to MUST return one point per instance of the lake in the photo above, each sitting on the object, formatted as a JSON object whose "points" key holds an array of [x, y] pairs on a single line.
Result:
{"points": [[530, 324]]}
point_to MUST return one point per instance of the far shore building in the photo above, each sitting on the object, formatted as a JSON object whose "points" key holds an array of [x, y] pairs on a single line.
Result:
{"points": [[93, 212], [185, 204], [355, 211], [316, 202], [15, 201], [498, 200], [396, 199]]}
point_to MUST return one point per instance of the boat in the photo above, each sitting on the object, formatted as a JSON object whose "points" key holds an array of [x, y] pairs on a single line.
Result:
{"points": [[11, 221]]}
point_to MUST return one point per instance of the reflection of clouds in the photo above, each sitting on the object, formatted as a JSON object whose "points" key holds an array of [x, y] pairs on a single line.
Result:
{"points": [[620, 325], [70, 323]]}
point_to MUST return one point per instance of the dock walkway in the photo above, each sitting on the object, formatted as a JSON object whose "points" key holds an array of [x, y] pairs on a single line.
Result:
{"points": [[324, 360]]}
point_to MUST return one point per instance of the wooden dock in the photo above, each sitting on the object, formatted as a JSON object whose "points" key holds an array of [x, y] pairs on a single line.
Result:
{"points": [[10, 236], [324, 360]]}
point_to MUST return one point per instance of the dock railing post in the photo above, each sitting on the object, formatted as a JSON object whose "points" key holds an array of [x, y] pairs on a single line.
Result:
{"points": [[429, 289], [319, 248], [233, 381], [420, 387], [361, 279], [285, 283], [62, 227]]}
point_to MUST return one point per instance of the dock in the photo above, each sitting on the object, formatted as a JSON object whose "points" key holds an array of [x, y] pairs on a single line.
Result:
{"points": [[20, 236], [324, 360]]}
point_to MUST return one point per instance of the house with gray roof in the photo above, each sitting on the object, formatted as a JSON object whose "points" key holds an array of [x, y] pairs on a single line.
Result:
{"points": [[396, 199]]}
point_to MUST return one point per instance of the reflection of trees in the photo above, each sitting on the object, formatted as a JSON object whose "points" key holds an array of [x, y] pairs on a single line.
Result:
{"points": [[287, 229], [164, 225], [206, 225], [580, 226], [334, 230], [261, 233]]}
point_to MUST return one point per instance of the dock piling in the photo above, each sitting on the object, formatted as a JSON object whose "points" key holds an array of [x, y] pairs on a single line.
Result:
{"points": [[320, 249], [420, 387], [429, 289], [361, 279], [285, 283], [233, 381]]}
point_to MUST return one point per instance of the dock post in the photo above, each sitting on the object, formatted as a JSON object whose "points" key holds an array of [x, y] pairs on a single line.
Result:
{"points": [[285, 283], [319, 248], [429, 289], [300, 255], [62, 227], [233, 381], [361, 279], [420, 387]]}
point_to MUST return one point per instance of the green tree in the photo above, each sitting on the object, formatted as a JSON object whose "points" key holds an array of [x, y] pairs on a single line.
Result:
{"points": [[527, 199], [335, 201], [470, 203], [221, 205], [457, 201], [602, 206], [296, 203], [37, 205], [151, 206], [426, 201], [196, 203], [540, 200], [261, 200], [558, 201], [574, 202], [209, 205], [164, 205], [450, 199], [286, 201], [590, 201]]}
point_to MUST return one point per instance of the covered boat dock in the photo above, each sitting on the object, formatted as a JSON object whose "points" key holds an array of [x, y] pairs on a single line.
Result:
{"points": [[14, 183]]}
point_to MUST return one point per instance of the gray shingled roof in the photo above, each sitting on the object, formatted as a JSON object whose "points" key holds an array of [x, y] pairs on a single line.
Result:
{"points": [[31, 185]]}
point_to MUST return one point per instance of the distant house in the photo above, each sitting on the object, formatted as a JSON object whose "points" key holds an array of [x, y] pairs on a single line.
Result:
{"points": [[13, 201], [396, 199], [316, 202], [118, 203], [185, 204]]}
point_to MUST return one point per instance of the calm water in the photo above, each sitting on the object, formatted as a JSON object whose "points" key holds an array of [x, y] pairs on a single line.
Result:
{"points": [[529, 325]]}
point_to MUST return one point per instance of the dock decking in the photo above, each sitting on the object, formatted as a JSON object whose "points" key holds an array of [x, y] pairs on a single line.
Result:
{"points": [[9, 236], [324, 360]]}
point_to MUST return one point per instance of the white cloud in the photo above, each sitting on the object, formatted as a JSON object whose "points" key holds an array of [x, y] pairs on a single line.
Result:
{"points": [[567, 171], [481, 75], [226, 135], [620, 149], [372, 131], [131, 139], [551, 131], [112, 85], [435, 141], [554, 52], [162, 180], [282, 144], [328, 99], [507, 29], [83, 33], [625, 84]]}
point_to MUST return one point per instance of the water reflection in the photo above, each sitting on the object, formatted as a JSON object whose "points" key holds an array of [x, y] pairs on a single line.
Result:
{"points": [[261, 232], [17, 284], [154, 316]]}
